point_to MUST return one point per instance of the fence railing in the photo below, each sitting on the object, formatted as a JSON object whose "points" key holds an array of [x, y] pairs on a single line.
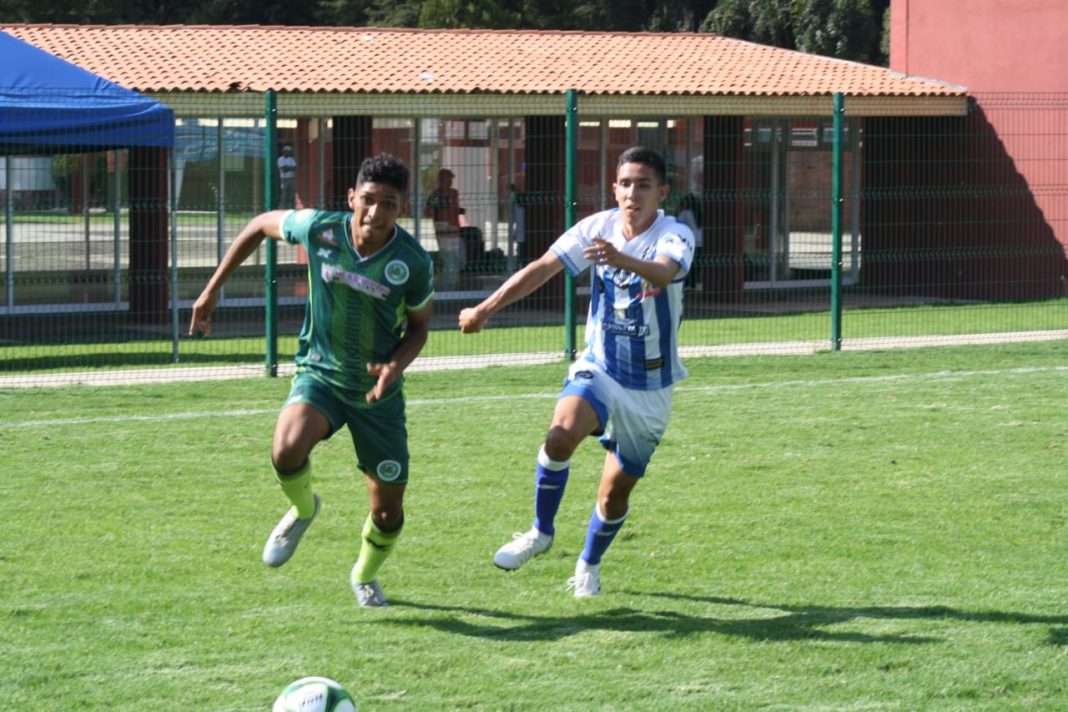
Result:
{"points": [[952, 230]]}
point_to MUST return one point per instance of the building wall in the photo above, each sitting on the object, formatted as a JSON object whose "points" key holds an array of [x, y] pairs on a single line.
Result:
{"points": [[984, 45], [1011, 57]]}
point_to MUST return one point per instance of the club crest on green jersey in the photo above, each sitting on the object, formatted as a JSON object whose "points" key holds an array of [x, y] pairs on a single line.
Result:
{"points": [[397, 272]]}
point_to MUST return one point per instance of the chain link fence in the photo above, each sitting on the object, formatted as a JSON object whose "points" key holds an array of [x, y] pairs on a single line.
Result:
{"points": [[953, 229]]}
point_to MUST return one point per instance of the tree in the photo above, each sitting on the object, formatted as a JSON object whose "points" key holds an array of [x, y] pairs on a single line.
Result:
{"points": [[678, 15], [252, 12], [486, 14], [394, 13], [763, 21], [350, 13], [729, 18], [836, 28]]}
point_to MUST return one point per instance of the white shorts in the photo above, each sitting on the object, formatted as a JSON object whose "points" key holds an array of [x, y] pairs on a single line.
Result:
{"points": [[632, 421]]}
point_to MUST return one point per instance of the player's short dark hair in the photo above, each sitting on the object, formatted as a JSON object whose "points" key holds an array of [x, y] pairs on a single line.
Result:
{"points": [[646, 157], [384, 168]]}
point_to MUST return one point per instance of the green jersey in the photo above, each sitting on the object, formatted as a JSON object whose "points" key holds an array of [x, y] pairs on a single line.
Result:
{"points": [[356, 305]]}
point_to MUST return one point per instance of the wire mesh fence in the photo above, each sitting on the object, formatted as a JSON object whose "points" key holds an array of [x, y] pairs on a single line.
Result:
{"points": [[953, 228]]}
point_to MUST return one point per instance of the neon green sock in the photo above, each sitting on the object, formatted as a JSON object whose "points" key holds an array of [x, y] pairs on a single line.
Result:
{"points": [[373, 552], [297, 488]]}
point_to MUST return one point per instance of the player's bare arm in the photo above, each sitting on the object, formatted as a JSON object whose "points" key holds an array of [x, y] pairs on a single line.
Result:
{"points": [[660, 271], [519, 285], [267, 224], [407, 349]]}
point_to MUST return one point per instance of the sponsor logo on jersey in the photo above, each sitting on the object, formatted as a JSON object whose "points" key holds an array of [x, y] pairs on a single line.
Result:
{"points": [[356, 282], [397, 272], [325, 253], [388, 470], [620, 328]]}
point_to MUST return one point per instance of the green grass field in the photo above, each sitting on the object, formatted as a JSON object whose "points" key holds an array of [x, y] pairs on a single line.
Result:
{"points": [[844, 531]]}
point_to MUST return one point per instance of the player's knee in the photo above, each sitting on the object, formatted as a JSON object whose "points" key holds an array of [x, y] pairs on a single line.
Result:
{"points": [[288, 463], [560, 443], [388, 518], [612, 505]]}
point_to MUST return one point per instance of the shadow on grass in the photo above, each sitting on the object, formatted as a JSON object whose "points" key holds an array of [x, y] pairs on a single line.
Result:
{"points": [[770, 622]]}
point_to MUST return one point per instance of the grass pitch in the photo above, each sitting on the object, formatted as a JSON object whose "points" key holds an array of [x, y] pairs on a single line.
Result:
{"points": [[877, 531]]}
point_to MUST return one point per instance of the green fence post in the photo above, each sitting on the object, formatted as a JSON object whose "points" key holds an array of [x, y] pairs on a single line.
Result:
{"points": [[270, 190], [172, 199], [836, 226], [571, 201]]}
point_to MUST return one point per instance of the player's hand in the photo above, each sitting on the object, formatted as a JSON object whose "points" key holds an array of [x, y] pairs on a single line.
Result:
{"points": [[601, 252], [386, 375], [202, 309], [471, 320]]}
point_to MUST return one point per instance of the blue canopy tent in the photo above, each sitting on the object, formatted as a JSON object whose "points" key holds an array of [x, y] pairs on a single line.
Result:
{"points": [[48, 102], [49, 106]]}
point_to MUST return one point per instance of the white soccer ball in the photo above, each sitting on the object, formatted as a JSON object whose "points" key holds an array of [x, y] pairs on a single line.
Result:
{"points": [[314, 694]]}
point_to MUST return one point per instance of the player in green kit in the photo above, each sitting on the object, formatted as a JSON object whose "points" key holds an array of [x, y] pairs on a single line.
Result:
{"points": [[367, 318]]}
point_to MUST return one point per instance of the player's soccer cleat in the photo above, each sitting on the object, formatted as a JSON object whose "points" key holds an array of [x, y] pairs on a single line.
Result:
{"points": [[586, 581], [523, 547], [283, 541], [369, 595]]}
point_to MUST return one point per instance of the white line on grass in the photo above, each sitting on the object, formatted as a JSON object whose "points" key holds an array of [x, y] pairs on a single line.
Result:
{"points": [[935, 375], [722, 388]]}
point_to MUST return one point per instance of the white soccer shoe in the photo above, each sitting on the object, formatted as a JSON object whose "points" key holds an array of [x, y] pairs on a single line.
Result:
{"points": [[282, 543], [369, 595], [523, 547], [587, 580]]}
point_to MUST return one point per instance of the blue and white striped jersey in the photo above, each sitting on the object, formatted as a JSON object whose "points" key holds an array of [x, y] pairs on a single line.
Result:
{"points": [[632, 326]]}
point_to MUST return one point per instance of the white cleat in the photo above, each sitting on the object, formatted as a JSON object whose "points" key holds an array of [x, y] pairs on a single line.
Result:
{"points": [[587, 580], [523, 547], [369, 595], [282, 543]]}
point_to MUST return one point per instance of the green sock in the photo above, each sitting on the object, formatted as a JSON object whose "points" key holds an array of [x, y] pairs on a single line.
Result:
{"points": [[297, 487], [373, 552]]}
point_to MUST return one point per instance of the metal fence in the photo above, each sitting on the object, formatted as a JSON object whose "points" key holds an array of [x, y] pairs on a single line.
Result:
{"points": [[951, 229]]}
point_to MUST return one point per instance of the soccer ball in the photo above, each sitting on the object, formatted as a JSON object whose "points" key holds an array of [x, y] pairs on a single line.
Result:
{"points": [[314, 694]]}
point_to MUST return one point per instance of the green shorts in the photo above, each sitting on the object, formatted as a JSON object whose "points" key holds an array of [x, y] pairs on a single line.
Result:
{"points": [[378, 431]]}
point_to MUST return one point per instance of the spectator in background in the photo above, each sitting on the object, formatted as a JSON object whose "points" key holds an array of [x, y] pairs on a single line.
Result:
{"points": [[287, 178], [519, 224], [443, 207]]}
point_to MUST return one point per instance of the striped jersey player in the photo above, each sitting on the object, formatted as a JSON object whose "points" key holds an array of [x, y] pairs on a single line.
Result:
{"points": [[620, 388]]}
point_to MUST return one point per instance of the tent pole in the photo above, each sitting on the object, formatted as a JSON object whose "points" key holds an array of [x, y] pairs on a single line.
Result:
{"points": [[85, 208], [117, 242], [9, 221], [220, 206], [172, 192]]}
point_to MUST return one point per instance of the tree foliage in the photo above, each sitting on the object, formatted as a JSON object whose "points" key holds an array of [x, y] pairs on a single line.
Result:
{"points": [[849, 29], [836, 28], [459, 14]]}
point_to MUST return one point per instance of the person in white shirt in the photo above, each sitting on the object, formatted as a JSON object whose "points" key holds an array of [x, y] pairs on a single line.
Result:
{"points": [[287, 178], [620, 388]]}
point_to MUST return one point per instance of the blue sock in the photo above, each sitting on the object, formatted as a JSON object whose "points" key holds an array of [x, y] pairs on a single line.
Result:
{"points": [[599, 536], [549, 481]]}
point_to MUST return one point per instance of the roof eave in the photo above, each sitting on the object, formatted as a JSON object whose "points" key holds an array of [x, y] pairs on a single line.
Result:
{"points": [[306, 104]]}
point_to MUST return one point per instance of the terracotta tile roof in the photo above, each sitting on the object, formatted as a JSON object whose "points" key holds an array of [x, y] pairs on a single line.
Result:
{"points": [[183, 58]]}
